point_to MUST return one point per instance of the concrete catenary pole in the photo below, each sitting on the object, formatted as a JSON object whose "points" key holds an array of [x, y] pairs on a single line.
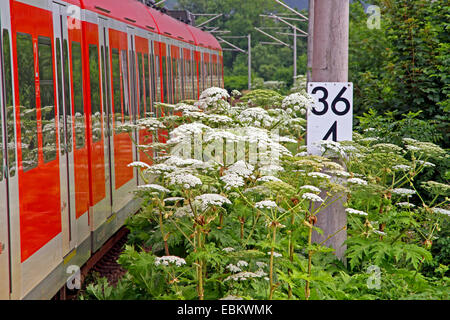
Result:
{"points": [[249, 61], [295, 54], [330, 64]]}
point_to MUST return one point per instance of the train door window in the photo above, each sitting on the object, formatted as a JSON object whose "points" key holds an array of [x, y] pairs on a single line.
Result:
{"points": [[9, 107], [27, 95], [157, 74], [77, 75], [140, 76], [107, 90], [152, 82], [60, 97], [174, 81], [94, 75], [164, 78], [194, 78], [67, 99], [182, 75], [47, 98], [146, 75], [126, 107], [116, 88]]}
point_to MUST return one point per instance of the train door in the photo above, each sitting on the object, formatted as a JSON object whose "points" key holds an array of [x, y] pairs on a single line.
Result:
{"points": [[107, 112], [100, 208], [5, 282], [10, 266], [187, 74], [122, 147], [79, 143], [134, 99], [38, 151], [67, 176], [143, 94]]}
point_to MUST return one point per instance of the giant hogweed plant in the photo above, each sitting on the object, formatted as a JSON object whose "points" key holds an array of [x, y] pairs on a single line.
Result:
{"points": [[234, 194]]}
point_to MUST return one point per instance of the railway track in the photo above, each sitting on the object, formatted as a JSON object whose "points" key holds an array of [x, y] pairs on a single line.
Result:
{"points": [[102, 264]]}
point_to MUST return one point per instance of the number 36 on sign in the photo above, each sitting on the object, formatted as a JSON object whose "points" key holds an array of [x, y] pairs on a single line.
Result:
{"points": [[331, 116]]}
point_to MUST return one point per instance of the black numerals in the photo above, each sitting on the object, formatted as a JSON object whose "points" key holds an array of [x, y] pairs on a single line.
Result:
{"points": [[323, 100], [332, 132], [339, 98]]}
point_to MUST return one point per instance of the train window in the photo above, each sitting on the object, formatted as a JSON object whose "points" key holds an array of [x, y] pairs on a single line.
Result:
{"points": [[140, 75], [67, 100], [27, 95], [96, 117], [147, 85], [194, 79], [9, 107], [174, 81], [47, 98], [107, 86], [165, 80], [116, 88], [77, 75], [124, 64], [60, 97], [158, 81], [153, 82]]}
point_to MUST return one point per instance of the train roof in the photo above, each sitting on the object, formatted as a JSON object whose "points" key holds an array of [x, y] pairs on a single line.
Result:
{"points": [[135, 13]]}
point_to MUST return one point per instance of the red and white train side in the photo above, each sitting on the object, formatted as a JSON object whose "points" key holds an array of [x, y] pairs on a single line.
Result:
{"points": [[72, 71]]}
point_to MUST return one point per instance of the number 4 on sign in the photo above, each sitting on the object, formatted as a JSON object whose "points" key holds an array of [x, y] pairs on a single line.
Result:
{"points": [[332, 132], [331, 116]]}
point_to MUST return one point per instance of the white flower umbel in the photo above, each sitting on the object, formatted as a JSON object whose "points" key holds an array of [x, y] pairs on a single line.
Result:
{"points": [[233, 268], [232, 180], [270, 169], [319, 175], [214, 92], [261, 265], [241, 168], [354, 211], [166, 260], [212, 199], [228, 249], [185, 107], [405, 205], [186, 180], [155, 187], [403, 192], [357, 181], [266, 204], [401, 167], [242, 264], [311, 196], [275, 254], [161, 168], [243, 276], [441, 211], [310, 188], [173, 199], [139, 164], [268, 178], [381, 233], [426, 164]]}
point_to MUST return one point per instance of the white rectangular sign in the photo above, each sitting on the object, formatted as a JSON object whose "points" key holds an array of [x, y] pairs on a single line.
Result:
{"points": [[331, 117]]}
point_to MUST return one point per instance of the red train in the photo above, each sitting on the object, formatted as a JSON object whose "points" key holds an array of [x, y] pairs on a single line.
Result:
{"points": [[72, 71]]}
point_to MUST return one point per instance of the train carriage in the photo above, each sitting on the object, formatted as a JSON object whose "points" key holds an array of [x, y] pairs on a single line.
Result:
{"points": [[73, 71]]}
